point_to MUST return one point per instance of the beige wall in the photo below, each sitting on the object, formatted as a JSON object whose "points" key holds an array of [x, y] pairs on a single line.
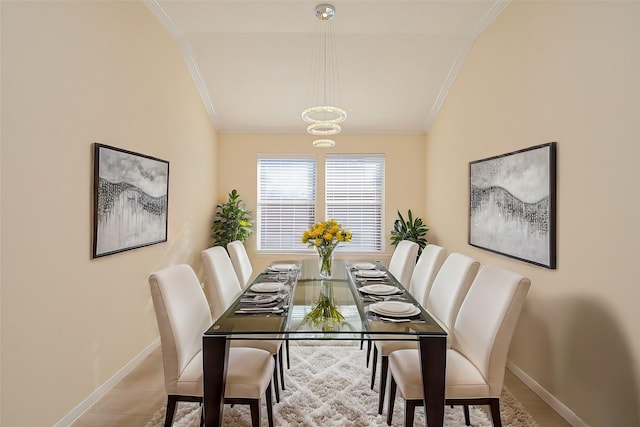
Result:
{"points": [[75, 73], [565, 72], [404, 173]]}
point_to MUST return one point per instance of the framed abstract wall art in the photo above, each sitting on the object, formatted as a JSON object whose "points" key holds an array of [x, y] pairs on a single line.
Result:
{"points": [[512, 206], [131, 193]]}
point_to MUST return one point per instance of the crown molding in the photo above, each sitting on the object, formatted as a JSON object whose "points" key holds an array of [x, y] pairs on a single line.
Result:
{"points": [[185, 49], [482, 25]]}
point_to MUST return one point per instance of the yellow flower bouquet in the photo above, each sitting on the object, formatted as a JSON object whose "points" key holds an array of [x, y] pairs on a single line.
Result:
{"points": [[325, 237]]}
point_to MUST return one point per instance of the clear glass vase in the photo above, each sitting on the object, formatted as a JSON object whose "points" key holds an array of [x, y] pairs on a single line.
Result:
{"points": [[325, 260], [325, 313]]}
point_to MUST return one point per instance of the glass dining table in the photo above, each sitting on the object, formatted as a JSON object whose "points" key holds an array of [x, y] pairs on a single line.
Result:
{"points": [[307, 307]]}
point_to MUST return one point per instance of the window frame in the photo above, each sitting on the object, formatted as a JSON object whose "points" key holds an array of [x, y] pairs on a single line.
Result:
{"points": [[362, 158], [260, 202], [320, 203]]}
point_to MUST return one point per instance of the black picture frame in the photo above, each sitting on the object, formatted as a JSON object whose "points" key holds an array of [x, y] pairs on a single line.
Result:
{"points": [[512, 204], [131, 200]]}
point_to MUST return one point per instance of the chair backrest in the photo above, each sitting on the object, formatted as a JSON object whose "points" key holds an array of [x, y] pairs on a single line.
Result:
{"points": [[222, 283], [403, 261], [241, 262], [487, 320], [450, 287], [425, 271], [183, 316]]}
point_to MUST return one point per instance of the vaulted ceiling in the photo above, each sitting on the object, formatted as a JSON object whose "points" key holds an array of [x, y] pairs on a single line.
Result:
{"points": [[397, 60]]}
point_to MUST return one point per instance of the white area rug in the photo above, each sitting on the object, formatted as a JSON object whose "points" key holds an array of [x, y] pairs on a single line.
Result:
{"points": [[329, 386]]}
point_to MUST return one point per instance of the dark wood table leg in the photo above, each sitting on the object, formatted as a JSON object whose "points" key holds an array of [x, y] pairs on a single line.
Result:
{"points": [[215, 349], [433, 355]]}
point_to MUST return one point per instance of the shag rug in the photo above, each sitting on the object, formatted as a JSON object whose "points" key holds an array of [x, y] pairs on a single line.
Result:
{"points": [[329, 386]]}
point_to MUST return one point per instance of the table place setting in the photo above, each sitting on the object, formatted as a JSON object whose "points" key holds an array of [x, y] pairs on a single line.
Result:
{"points": [[363, 266], [282, 268], [394, 311], [267, 287], [371, 274], [380, 292], [380, 289], [264, 298]]}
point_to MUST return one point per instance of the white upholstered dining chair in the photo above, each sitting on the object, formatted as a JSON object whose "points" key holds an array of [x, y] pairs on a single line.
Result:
{"points": [[425, 271], [403, 261], [221, 281], [241, 262], [224, 288], [183, 316], [449, 288], [476, 360]]}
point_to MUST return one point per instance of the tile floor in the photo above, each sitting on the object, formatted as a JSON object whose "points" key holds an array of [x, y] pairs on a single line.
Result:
{"points": [[133, 401]]}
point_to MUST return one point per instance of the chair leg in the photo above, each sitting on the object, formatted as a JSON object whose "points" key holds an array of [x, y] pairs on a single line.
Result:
{"points": [[269, 406], [275, 377], [392, 400], [368, 351], [288, 361], [374, 364], [467, 419], [254, 405], [281, 366], [495, 412], [409, 412], [384, 367], [171, 409]]}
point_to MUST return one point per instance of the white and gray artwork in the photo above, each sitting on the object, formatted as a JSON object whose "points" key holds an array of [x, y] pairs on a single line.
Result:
{"points": [[511, 208], [131, 200]]}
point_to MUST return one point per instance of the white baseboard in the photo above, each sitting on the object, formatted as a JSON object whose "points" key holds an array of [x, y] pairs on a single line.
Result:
{"points": [[104, 388], [550, 399]]}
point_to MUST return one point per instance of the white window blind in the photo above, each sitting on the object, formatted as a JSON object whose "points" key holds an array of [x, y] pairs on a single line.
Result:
{"points": [[355, 198], [286, 202]]}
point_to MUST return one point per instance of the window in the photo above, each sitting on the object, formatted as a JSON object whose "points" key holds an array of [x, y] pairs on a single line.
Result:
{"points": [[286, 202], [354, 197]]}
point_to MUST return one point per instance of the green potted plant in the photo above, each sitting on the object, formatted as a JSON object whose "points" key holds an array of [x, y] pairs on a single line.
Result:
{"points": [[232, 221], [411, 229]]}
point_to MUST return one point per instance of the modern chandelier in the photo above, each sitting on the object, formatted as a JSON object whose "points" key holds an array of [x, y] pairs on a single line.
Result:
{"points": [[324, 119]]}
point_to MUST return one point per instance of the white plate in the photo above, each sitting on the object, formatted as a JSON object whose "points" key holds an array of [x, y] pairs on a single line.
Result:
{"points": [[267, 287], [282, 267], [364, 266], [265, 299], [379, 289], [394, 309], [371, 273]]}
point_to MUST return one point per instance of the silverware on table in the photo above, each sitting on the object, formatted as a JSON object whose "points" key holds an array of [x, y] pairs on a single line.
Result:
{"points": [[260, 310]]}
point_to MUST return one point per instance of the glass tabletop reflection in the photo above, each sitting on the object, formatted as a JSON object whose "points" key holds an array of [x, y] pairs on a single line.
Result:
{"points": [[298, 304]]}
